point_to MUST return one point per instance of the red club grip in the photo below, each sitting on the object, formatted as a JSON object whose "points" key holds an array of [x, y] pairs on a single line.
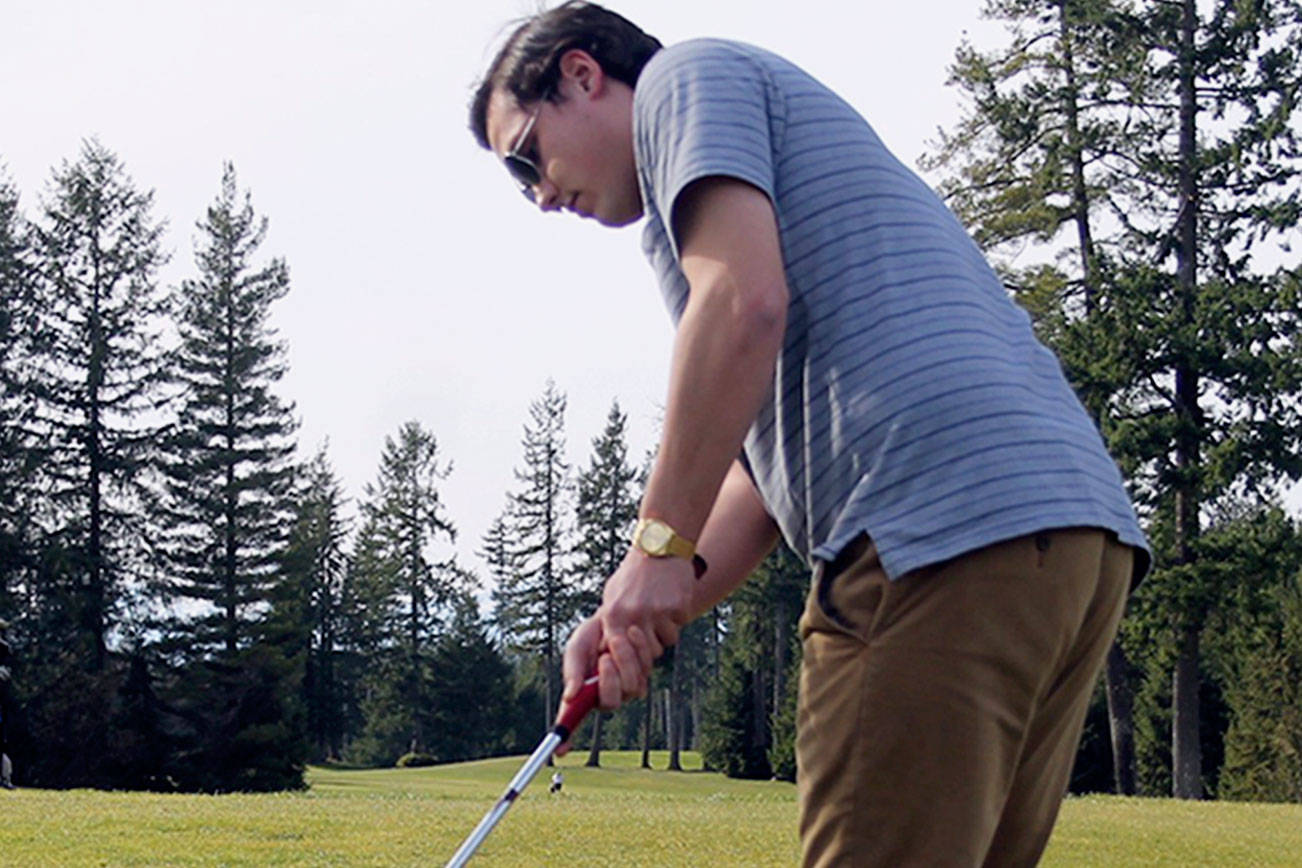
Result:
{"points": [[574, 711]]}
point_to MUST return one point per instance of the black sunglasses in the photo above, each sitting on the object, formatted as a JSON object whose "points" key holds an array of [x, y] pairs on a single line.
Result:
{"points": [[524, 170]]}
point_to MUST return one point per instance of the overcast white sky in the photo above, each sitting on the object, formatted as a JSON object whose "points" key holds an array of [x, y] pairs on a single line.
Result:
{"points": [[423, 286]]}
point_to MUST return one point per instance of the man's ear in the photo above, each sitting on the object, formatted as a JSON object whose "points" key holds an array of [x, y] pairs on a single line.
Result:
{"points": [[583, 72]]}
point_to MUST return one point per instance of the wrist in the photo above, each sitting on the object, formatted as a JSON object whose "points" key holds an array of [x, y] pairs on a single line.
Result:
{"points": [[657, 539]]}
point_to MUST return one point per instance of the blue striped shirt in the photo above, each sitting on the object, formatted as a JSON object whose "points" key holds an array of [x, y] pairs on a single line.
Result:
{"points": [[911, 400]]}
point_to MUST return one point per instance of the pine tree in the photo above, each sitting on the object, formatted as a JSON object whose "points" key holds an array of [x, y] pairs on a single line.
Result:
{"points": [[1253, 651], [225, 504], [409, 591], [17, 324], [1212, 335], [472, 687], [745, 703], [316, 576], [536, 602], [97, 375], [605, 511], [227, 467], [1038, 159], [1173, 328]]}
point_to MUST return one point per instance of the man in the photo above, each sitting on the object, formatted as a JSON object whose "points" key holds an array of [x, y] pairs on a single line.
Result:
{"points": [[848, 372]]}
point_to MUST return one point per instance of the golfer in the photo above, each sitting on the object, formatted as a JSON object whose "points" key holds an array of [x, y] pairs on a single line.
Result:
{"points": [[850, 373]]}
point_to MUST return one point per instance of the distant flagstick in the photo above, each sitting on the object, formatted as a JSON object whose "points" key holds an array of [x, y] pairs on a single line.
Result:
{"points": [[569, 721]]}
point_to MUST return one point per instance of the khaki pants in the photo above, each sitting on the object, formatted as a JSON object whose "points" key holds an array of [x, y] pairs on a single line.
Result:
{"points": [[940, 713]]}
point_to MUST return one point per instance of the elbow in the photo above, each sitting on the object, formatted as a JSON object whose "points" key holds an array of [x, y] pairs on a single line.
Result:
{"points": [[763, 316]]}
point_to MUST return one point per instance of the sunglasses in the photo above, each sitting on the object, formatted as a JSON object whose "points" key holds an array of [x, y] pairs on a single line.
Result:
{"points": [[523, 169]]}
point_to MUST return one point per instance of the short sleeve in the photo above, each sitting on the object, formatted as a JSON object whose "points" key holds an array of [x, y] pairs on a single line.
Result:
{"points": [[703, 109]]}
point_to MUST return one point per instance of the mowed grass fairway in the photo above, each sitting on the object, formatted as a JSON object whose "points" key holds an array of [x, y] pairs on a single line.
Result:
{"points": [[618, 815]]}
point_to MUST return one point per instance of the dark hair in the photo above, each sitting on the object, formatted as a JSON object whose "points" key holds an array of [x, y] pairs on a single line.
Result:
{"points": [[528, 65]]}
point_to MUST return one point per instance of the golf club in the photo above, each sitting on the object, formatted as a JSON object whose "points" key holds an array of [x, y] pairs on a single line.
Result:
{"points": [[569, 720]]}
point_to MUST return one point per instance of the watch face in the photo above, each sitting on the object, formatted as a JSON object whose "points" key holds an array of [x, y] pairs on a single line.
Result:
{"points": [[655, 538]]}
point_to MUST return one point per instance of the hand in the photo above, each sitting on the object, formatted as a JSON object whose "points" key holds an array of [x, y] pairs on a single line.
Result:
{"points": [[644, 605]]}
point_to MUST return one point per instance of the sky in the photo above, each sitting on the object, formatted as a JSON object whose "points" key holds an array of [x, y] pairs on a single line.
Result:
{"points": [[423, 286]]}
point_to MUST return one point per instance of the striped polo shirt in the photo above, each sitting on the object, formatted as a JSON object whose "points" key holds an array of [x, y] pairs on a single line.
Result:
{"points": [[911, 400]]}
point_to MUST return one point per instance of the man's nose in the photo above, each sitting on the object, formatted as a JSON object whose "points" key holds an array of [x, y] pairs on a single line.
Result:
{"points": [[546, 194]]}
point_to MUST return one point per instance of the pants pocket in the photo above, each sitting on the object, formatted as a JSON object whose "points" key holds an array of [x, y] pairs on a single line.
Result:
{"points": [[846, 594]]}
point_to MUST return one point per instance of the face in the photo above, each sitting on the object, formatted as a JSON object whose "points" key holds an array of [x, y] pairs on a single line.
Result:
{"points": [[582, 145]]}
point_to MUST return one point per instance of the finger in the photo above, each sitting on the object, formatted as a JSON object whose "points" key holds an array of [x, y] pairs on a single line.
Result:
{"points": [[608, 687], [637, 637], [632, 676], [580, 656], [666, 631]]}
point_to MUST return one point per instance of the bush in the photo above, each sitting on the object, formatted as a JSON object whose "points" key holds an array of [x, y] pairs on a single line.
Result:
{"points": [[415, 761]]}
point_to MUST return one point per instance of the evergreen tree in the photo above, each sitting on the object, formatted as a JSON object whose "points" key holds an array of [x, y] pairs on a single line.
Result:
{"points": [[472, 689], [317, 572], [498, 550], [17, 324], [737, 730], [408, 591], [225, 502], [1211, 336], [98, 373], [1175, 334], [536, 602], [734, 736], [1263, 747], [227, 468], [1253, 654], [605, 511], [606, 506], [1039, 158]]}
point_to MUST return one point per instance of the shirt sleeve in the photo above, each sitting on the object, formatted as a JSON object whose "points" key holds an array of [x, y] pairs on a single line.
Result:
{"points": [[703, 109]]}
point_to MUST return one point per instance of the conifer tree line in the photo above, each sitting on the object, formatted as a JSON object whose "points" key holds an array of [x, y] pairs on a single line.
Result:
{"points": [[193, 604]]}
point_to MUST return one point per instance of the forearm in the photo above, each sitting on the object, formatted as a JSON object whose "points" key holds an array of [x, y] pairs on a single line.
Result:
{"points": [[737, 536]]}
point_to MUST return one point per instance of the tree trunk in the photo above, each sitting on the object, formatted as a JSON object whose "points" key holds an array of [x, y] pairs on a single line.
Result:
{"points": [[1076, 153], [779, 654], [646, 728], [1186, 772], [759, 710], [1121, 720], [695, 709], [674, 716], [1186, 760], [594, 752], [548, 717]]}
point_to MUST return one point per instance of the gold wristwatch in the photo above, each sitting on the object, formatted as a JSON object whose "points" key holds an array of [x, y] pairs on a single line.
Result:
{"points": [[656, 539]]}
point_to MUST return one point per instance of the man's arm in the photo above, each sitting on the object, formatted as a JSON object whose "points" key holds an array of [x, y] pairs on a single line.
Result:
{"points": [[724, 357], [726, 348], [737, 536]]}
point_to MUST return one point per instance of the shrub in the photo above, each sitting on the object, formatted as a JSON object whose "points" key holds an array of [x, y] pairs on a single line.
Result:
{"points": [[415, 760]]}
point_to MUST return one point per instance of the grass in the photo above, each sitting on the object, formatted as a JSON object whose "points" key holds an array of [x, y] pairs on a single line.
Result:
{"points": [[619, 815]]}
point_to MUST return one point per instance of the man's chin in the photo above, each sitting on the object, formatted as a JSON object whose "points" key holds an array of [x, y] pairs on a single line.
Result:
{"points": [[615, 221]]}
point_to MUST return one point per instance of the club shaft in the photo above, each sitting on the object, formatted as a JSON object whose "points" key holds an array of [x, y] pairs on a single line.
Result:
{"points": [[521, 780]]}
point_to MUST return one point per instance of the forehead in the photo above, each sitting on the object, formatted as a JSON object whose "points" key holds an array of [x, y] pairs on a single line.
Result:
{"points": [[503, 120]]}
